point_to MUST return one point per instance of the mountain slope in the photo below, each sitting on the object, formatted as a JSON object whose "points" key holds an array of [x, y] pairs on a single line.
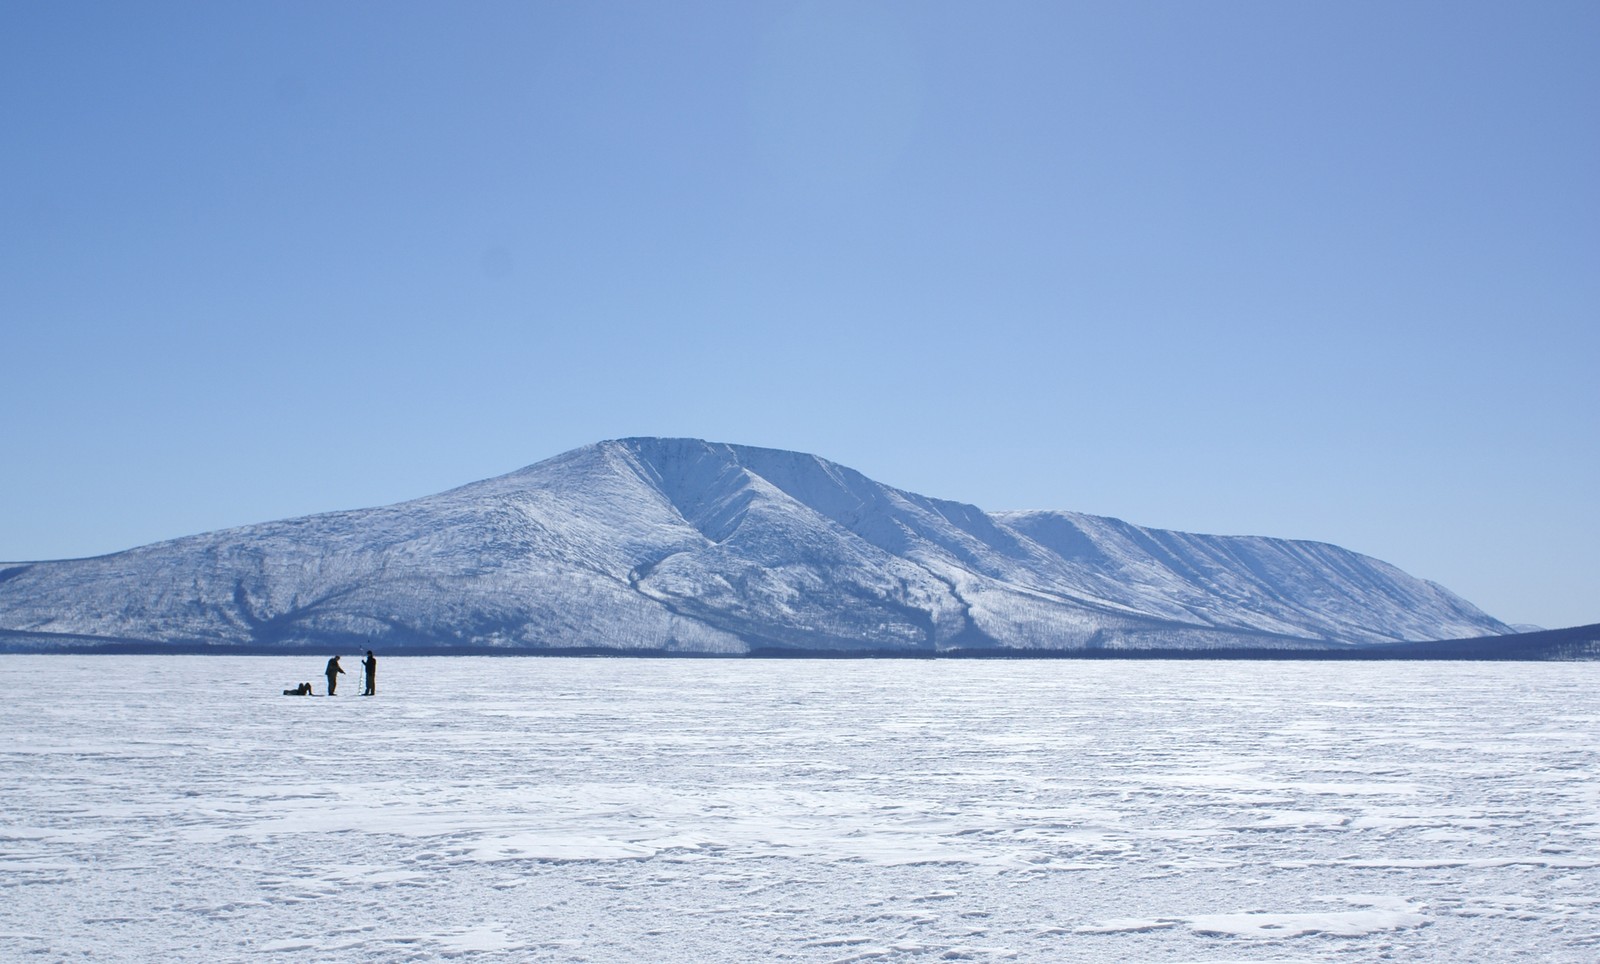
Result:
{"points": [[679, 545]]}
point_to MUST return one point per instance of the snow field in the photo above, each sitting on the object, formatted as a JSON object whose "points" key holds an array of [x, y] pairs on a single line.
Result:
{"points": [[179, 808]]}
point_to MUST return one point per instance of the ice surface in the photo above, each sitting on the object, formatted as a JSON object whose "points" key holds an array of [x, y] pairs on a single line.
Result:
{"points": [[179, 808]]}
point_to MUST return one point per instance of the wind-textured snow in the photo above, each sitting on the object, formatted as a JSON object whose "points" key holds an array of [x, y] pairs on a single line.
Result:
{"points": [[176, 808], [679, 545]]}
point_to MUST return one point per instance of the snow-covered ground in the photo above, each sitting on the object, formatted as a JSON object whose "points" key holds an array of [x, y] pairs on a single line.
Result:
{"points": [[179, 808]]}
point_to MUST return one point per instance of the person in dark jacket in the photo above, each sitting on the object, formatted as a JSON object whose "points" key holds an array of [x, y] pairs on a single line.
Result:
{"points": [[370, 664], [333, 674]]}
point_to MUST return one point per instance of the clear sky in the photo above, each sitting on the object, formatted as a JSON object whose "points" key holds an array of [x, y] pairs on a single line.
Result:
{"points": [[1315, 270]]}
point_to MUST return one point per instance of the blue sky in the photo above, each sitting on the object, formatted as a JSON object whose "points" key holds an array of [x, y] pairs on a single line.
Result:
{"points": [[1316, 270]]}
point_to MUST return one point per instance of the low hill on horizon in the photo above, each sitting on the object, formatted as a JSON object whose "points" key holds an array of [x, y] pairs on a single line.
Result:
{"points": [[681, 546]]}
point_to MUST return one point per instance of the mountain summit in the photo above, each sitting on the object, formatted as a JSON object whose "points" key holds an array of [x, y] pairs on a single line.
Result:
{"points": [[685, 546]]}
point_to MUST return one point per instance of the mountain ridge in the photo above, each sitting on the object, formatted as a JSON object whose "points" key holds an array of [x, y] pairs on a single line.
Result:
{"points": [[687, 546]]}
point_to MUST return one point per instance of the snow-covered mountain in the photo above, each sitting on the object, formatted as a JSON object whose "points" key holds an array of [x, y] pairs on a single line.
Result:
{"points": [[685, 546]]}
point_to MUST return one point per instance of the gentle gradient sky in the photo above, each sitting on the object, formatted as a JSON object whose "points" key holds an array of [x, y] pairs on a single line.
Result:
{"points": [[1317, 270]]}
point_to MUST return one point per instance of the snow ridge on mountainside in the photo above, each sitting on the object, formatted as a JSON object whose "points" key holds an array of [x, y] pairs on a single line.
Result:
{"points": [[685, 546]]}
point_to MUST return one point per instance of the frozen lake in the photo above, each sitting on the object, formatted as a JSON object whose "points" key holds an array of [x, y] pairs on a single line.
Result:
{"points": [[179, 808]]}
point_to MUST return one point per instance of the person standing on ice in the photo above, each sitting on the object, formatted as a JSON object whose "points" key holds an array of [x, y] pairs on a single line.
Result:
{"points": [[370, 664], [333, 674]]}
